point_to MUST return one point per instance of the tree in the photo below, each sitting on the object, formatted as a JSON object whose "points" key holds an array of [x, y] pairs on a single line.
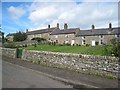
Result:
{"points": [[115, 47], [3, 39], [39, 40], [116, 50], [19, 36]]}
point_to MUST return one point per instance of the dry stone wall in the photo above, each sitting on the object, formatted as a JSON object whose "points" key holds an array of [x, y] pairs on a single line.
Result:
{"points": [[9, 52], [98, 65]]}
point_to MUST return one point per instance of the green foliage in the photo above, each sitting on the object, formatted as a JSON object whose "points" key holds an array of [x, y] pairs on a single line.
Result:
{"points": [[39, 40], [107, 50], [19, 36], [2, 39], [97, 50], [9, 45], [113, 41], [116, 50]]}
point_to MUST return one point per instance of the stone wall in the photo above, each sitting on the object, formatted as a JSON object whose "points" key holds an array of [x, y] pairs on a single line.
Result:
{"points": [[98, 65], [9, 52]]}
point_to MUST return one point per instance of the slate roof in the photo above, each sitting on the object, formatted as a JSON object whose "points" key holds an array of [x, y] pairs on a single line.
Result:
{"points": [[102, 31], [10, 34], [40, 31], [68, 31]]}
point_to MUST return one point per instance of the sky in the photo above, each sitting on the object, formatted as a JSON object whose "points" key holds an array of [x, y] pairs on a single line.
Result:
{"points": [[19, 16]]}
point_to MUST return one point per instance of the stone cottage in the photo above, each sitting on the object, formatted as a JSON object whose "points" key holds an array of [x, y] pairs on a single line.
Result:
{"points": [[75, 36]]}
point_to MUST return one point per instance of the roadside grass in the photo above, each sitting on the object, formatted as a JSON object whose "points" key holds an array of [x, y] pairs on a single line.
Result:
{"points": [[89, 50]]}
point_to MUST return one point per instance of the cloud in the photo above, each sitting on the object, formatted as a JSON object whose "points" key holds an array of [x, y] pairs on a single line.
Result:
{"points": [[16, 12], [42, 14], [81, 15]]}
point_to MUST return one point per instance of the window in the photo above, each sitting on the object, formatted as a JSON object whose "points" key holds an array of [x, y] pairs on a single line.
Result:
{"points": [[101, 42], [117, 36], [83, 37], [83, 42], [101, 36], [66, 36]]}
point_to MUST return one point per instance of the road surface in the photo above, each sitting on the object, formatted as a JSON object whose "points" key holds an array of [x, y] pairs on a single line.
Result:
{"points": [[14, 76]]}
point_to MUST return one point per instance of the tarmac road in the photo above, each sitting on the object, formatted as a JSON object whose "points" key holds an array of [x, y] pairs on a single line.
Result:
{"points": [[14, 76]]}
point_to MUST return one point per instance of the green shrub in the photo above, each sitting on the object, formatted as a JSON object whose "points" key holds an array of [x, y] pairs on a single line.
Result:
{"points": [[10, 45], [87, 44], [116, 50]]}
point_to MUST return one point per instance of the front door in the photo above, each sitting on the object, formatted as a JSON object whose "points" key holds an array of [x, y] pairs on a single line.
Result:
{"points": [[72, 42]]}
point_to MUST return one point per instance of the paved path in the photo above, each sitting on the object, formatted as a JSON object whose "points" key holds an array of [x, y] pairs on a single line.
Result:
{"points": [[15, 76]]}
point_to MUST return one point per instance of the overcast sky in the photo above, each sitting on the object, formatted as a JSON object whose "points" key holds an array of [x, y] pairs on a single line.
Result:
{"points": [[18, 16]]}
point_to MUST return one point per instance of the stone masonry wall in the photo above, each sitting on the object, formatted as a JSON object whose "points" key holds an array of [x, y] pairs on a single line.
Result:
{"points": [[98, 65], [9, 52]]}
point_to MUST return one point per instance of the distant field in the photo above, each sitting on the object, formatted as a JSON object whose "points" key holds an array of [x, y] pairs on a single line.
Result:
{"points": [[97, 50]]}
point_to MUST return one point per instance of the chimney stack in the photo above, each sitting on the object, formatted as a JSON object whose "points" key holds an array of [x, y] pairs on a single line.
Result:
{"points": [[57, 25], [65, 26], [48, 26], [110, 25], [93, 27]]}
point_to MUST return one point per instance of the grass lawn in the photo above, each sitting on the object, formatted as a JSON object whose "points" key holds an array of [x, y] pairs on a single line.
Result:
{"points": [[97, 50]]}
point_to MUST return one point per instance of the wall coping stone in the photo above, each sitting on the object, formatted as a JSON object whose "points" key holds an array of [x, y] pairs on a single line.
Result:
{"points": [[73, 54]]}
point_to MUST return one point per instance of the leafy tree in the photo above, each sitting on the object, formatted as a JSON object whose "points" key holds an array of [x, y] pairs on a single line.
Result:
{"points": [[19, 36], [116, 50], [39, 40]]}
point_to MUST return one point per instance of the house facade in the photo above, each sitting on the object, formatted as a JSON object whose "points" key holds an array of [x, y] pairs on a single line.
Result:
{"points": [[10, 36], [75, 36], [99, 36]]}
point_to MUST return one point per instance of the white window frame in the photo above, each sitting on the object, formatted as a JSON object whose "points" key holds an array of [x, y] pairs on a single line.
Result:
{"points": [[101, 36], [83, 43], [101, 41], [83, 37], [117, 35]]}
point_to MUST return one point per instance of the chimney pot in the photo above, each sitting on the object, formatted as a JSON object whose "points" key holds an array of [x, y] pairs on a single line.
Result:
{"points": [[57, 25], [93, 26], [110, 25], [49, 26]]}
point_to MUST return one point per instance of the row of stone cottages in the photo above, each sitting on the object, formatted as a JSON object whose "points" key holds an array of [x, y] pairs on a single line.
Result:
{"points": [[75, 36]]}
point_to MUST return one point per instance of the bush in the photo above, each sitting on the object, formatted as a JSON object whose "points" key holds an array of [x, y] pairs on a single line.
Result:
{"points": [[25, 45], [107, 51], [61, 45], [54, 43], [87, 44], [67, 44], [9, 45], [116, 50], [39, 40], [77, 44]]}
